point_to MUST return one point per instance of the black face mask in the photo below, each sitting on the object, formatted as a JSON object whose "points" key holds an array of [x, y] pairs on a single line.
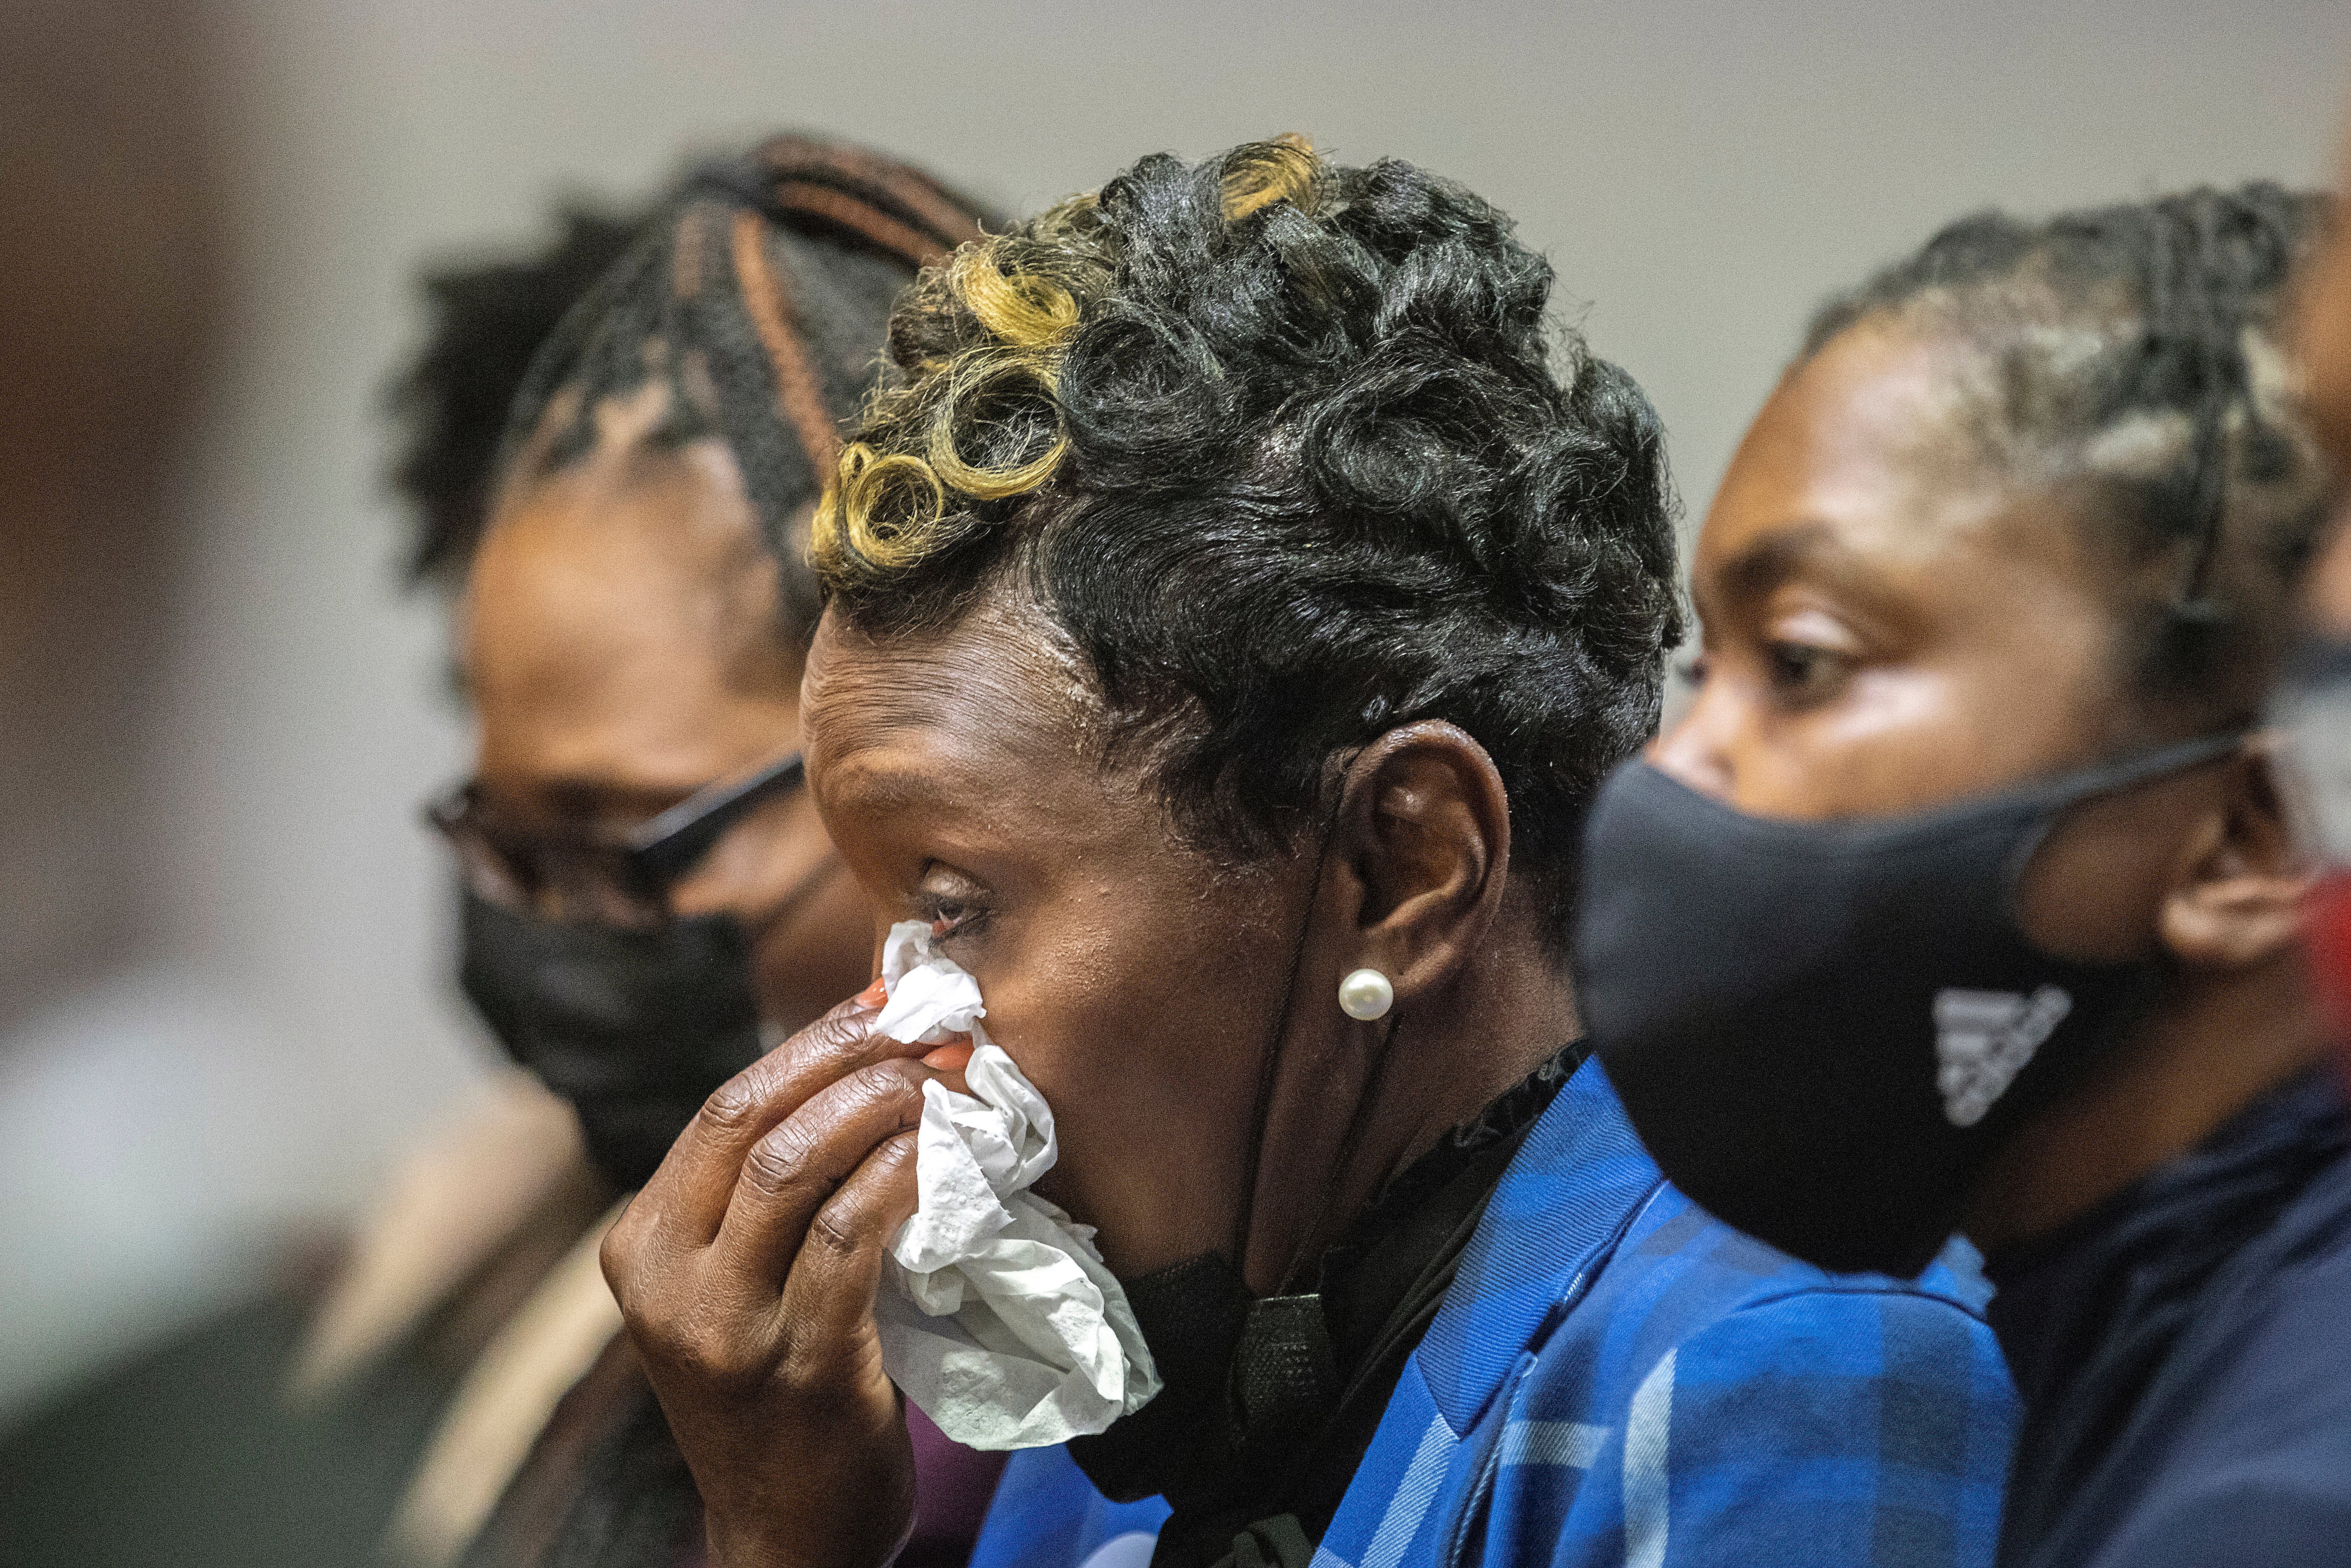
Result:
{"points": [[1191, 1314], [1822, 1031], [634, 1028]]}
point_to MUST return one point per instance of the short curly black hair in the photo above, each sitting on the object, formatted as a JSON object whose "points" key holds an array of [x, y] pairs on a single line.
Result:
{"points": [[1293, 455], [2133, 352]]}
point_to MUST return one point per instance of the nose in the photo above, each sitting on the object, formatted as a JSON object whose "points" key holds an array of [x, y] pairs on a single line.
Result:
{"points": [[1696, 752]]}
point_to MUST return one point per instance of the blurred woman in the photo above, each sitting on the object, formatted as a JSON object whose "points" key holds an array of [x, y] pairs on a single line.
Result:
{"points": [[1963, 893], [2315, 704], [1234, 602], [647, 887]]}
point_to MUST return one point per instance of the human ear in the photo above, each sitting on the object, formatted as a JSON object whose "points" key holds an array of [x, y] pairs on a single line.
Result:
{"points": [[1423, 831], [2235, 900]]}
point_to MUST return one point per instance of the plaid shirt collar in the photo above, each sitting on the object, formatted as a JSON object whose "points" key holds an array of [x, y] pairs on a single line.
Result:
{"points": [[1579, 1180]]}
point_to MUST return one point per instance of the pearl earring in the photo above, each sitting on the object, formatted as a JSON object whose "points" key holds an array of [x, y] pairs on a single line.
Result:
{"points": [[1365, 995]]}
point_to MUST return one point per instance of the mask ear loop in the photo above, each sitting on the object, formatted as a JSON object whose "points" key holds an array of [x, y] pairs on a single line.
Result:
{"points": [[2062, 796], [1270, 1060], [1358, 1123]]}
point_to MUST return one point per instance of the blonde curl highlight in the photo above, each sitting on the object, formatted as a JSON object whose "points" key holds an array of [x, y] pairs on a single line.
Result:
{"points": [[973, 414]]}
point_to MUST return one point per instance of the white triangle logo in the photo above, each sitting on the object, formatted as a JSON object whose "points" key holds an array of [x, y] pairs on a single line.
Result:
{"points": [[1982, 1040]]}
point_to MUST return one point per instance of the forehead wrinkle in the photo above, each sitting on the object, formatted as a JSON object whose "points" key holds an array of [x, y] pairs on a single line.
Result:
{"points": [[944, 719], [875, 690]]}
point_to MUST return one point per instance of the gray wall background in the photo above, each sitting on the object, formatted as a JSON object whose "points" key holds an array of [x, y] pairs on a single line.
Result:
{"points": [[1699, 172]]}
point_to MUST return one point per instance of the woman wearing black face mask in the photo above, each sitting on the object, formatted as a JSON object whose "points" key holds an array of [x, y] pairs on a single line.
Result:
{"points": [[1962, 896], [646, 882], [645, 887]]}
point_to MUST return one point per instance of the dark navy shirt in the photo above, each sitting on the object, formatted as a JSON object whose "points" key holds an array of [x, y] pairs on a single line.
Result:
{"points": [[2184, 1355]]}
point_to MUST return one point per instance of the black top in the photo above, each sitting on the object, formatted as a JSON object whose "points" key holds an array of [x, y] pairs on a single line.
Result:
{"points": [[1269, 1405], [2184, 1356]]}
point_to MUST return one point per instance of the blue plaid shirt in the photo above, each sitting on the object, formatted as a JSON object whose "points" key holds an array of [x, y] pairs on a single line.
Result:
{"points": [[1617, 1377]]}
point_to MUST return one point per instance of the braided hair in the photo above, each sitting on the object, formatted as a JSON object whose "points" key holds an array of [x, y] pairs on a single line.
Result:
{"points": [[2133, 352], [756, 296], [450, 402], [1293, 455]]}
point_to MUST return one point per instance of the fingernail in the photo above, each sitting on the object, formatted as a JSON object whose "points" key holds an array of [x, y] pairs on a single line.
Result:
{"points": [[874, 995]]}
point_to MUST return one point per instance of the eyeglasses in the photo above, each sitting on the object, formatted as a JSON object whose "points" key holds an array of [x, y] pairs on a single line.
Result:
{"points": [[610, 875]]}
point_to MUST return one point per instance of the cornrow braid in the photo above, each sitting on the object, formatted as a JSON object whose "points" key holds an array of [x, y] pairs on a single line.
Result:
{"points": [[759, 298], [2135, 347]]}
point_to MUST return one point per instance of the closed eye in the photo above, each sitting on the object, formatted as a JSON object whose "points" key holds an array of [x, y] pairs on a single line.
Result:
{"points": [[947, 916], [949, 902]]}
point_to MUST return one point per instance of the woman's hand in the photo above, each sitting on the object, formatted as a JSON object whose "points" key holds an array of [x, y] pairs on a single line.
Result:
{"points": [[747, 1271]]}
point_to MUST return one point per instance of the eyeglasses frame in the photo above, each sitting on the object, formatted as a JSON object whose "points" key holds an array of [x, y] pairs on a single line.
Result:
{"points": [[656, 853]]}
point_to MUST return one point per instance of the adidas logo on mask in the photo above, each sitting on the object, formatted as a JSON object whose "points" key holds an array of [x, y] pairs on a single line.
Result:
{"points": [[1982, 1040]]}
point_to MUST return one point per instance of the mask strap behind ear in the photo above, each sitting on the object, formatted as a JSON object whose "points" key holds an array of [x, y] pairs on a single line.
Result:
{"points": [[2109, 778], [1270, 1060], [1358, 1121], [2156, 764]]}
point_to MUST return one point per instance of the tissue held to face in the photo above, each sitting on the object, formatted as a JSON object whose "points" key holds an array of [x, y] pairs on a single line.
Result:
{"points": [[1135, 982], [1004, 1326], [1144, 988]]}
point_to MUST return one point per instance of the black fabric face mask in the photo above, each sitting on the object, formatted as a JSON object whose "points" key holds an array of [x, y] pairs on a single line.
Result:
{"points": [[633, 1028], [1822, 1031], [1191, 1314]]}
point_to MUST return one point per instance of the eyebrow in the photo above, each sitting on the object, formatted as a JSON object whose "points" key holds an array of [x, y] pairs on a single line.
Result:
{"points": [[575, 796], [1773, 559], [894, 788], [1799, 549]]}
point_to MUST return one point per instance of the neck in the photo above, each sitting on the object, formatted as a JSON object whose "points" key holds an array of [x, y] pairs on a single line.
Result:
{"points": [[1501, 1023], [1450, 1055], [2201, 1061]]}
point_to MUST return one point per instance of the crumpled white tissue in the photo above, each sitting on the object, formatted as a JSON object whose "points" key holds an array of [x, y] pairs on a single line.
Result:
{"points": [[998, 1319]]}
